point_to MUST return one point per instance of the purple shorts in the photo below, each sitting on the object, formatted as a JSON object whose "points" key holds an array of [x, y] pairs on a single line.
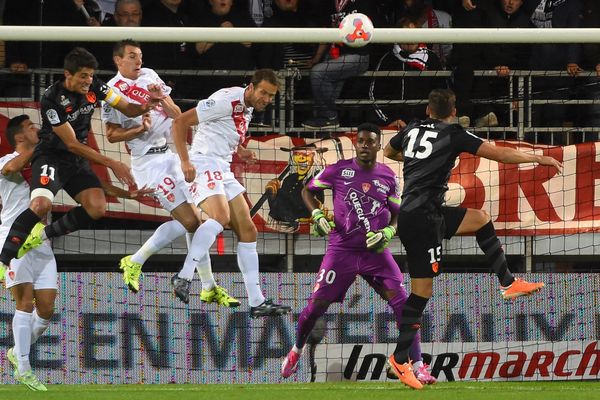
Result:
{"points": [[339, 268]]}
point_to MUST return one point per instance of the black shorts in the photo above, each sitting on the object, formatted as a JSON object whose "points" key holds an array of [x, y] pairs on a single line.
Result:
{"points": [[62, 171], [422, 233]]}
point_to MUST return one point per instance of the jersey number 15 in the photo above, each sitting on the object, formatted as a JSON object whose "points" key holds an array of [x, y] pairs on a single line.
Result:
{"points": [[424, 148]]}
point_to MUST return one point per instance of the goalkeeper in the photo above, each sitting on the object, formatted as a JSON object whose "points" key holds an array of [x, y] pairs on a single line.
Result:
{"points": [[365, 202]]}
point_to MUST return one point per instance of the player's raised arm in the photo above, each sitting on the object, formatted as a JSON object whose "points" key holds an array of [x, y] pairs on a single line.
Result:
{"points": [[18, 163], [116, 133], [66, 133], [179, 130], [134, 110], [508, 155]]}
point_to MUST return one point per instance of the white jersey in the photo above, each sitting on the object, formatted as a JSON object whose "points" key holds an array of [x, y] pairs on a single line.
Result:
{"points": [[135, 91], [223, 123], [14, 191]]}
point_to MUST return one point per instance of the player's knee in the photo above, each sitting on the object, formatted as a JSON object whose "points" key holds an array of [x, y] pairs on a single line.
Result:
{"points": [[484, 216], [25, 305], [44, 310], [96, 210], [190, 224], [222, 218], [248, 233], [41, 202]]}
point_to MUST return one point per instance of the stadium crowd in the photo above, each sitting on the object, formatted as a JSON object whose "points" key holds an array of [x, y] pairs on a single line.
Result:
{"points": [[331, 65]]}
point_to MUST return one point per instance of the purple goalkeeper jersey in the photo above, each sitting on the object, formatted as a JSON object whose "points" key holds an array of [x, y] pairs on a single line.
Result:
{"points": [[363, 201]]}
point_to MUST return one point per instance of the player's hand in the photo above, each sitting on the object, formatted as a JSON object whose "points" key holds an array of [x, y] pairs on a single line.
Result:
{"points": [[468, 5], [247, 156], [189, 171], [123, 173], [273, 186], [156, 95], [146, 122], [137, 194], [379, 240], [551, 162], [320, 226]]}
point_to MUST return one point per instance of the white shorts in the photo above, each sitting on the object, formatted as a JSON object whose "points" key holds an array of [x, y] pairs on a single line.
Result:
{"points": [[37, 266], [162, 172], [214, 176]]}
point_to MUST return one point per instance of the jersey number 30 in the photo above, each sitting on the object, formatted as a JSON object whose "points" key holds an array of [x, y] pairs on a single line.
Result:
{"points": [[424, 148]]}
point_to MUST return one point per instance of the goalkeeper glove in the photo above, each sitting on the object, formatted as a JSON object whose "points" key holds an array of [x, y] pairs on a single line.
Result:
{"points": [[321, 226], [380, 240]]}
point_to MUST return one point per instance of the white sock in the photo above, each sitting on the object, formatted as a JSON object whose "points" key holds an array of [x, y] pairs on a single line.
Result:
{"points": [[22, 334], [188, 239], [204, 269], [203, 239], [247, 259], [162, 236], [417, 365], [38, 326], [296, 350]]}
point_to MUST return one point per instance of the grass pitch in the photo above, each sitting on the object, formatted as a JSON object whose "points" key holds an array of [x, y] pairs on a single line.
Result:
{"points": [[315, 391]]}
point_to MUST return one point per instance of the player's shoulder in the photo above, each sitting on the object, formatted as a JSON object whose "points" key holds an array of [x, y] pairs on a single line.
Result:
{"points": [[148, 71], [227, 93], [383, 169], [53, 91], [6, 158]]}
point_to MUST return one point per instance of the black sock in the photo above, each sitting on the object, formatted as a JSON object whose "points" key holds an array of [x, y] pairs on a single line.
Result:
{"points": [[17, 234], [492, 248], [72, 221], [409, 326]]}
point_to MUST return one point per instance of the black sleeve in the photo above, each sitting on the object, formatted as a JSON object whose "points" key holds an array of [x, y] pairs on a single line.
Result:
{"points": [[396, 141], [53, 112], [463, 140]]}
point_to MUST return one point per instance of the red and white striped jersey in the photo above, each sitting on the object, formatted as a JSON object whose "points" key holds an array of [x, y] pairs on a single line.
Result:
{"points": [[223, 123]]}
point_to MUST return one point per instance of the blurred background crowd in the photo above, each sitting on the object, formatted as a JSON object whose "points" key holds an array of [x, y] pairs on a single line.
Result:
{"points": [[331, 65]]}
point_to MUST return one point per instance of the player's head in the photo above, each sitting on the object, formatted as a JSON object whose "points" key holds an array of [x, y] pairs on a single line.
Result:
{"points": [[128, 13], [367, 143], [127, 56], [79, 67], [21, 129], [442, 104], [262, 89]]}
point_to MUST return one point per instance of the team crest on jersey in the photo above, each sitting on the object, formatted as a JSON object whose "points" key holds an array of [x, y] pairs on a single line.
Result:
{"points": [[206, 104], [211, 185], [52, 116], [171, 197], [366, 187], [348, 173], [11, 275], [122, 86], [64, 101], [91, 97], [44, 180], [239, 108]]}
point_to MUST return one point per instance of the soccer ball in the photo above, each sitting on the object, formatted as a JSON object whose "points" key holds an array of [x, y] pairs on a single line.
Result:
{"points": [[356, 30]]}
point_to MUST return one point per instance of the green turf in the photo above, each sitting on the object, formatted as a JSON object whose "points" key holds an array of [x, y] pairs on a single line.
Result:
{"points": [[315, 391]]}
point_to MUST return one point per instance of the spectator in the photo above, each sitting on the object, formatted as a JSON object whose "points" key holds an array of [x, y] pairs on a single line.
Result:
{"points": [[503, 57], [171, 55], [341, 62], [127, 13], [292, 14], [425, 16], [404, 57], [590, 61], [552, 57]]}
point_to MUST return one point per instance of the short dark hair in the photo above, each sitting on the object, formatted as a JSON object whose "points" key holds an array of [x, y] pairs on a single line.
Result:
{"points": [[369, 127], [79, 58], [264, 74], [441, 103], [119, 47], [14, 127]]}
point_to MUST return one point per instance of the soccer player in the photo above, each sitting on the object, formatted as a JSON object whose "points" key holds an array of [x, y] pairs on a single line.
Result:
{"points": [[429, 149], [365, 203], [61, 158], [32, 280], [222, 121], [154, 165]]}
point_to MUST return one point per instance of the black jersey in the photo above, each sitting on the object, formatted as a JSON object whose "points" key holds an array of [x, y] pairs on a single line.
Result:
{"points": [[430, 148], [60, 105]]}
